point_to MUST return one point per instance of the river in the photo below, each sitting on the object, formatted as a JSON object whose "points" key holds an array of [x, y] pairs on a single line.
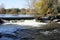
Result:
{"points": [[23, 31]]}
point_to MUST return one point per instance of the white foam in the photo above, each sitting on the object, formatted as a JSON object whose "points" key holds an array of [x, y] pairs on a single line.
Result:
{"points": [[28, 23]]}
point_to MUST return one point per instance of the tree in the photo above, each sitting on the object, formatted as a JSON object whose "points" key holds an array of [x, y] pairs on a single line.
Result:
{"points": [[2, 9], [14, 11], [44, 6], [8, 11], [41, 6], [23, 11], [30, 5]]}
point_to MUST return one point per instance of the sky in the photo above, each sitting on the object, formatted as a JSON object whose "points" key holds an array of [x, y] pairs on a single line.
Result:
{"points": [[13, 3]]}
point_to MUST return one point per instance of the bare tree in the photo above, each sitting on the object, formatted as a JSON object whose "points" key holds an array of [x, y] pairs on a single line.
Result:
{"points": [[30, 3], [2, 9]]}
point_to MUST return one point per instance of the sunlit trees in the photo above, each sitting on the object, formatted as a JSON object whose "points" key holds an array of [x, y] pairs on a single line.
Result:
{"points": [[41, 6], [45, 6], [41, 10]]}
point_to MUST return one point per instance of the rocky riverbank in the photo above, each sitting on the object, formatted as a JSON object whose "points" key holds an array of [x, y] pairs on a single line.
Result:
{"points": [[37, 34]]}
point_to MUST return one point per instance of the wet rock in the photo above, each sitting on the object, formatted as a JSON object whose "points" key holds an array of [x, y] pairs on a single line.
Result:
{"points": [[50, 35], [1, 21]]}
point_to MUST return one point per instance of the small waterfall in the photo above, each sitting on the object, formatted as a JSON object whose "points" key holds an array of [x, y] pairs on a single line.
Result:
{"points": [[26, 23]]}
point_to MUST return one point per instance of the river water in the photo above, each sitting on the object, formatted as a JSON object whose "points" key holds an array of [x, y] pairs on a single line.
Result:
{"points": [[9, 30], [18, 32], [22, 31], [15, 31]]}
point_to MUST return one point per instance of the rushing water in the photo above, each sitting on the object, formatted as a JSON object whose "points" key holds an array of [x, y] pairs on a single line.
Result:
{"points": [[21, 31], [32, 23], [8, 30]]}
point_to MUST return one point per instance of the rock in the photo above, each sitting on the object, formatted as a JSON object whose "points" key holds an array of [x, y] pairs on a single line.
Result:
{"points": [[1, 21]]}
